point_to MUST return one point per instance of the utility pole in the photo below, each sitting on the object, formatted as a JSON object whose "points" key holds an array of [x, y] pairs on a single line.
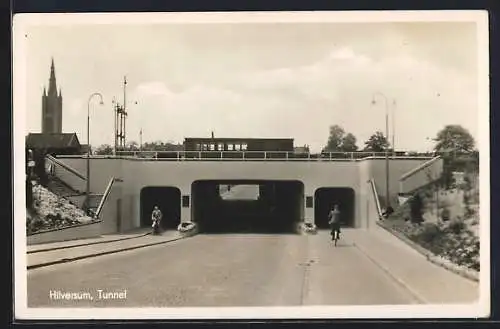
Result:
{"points": [[393, 127], [115, 115], [124, 109], [120, 119], [140, 140], [387, 182]]}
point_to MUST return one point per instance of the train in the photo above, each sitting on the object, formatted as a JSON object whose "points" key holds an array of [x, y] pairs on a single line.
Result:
{"points": [[239, 144]]}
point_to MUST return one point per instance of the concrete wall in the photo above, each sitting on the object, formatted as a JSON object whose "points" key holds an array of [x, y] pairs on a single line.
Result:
{"points": [[372, 211], [416, 177], [137, 174], [101, 170], [71, 233], [110, 214], [397, 168], [75, 182]]}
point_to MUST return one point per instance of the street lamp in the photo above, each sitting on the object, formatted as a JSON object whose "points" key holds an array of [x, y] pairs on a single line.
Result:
{"points": [[387, 195], [87, 190]]}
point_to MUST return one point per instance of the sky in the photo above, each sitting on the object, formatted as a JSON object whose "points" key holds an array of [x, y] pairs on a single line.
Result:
{"points": [[270, 80]]}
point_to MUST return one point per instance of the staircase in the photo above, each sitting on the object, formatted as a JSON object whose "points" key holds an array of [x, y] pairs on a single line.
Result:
{"points": [[59, 188]]}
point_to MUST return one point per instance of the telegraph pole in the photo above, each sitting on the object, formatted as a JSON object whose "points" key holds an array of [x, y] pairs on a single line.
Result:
{"points": [[120, 119], [393, 127], [124, 109], [140, 140]]}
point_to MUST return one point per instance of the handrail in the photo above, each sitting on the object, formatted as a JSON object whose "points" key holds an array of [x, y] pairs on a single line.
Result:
{"points": [[419, 168], [104, 197], [375, 195], [257, 155], [65, 166]]}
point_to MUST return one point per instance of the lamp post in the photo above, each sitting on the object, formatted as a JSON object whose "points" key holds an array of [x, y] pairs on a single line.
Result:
{"points": [[387, 195], [87, 190]]}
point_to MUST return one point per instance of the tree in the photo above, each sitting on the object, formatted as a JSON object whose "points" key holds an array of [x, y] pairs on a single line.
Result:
{"points": [[104, 150], [454, 137], [339, 141], [376, 143], [349, 143], [334, 143], [132, 146]]}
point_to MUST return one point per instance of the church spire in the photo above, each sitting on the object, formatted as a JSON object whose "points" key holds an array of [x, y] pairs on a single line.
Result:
{"points": [[52, 80]]}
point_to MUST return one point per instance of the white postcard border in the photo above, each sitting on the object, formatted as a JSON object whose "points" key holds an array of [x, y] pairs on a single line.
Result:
{"points": [[22, 21]]}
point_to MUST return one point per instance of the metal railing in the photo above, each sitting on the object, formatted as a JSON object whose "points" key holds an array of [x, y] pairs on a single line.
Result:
{"points": [[258, 155], [373, 189], [417, 177], [104, 198], [66, 174]]}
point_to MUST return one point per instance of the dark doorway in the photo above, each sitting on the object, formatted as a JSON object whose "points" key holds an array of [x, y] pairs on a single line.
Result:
{"points": [[324, 200], [168, 199], [247, 206]]}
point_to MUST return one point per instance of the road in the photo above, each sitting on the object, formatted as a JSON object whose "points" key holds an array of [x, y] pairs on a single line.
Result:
{"points": [[241, 192], [224, 270]]}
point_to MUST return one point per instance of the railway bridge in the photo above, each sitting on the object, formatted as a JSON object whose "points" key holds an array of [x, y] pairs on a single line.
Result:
{"points": [[287, 188]]}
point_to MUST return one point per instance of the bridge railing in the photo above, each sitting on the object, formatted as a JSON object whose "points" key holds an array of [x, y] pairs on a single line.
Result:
{"points": [[261, 155], [66, 174], [421, 175]]}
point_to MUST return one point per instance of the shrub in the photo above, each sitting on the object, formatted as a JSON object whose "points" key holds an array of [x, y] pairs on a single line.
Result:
{"points": [[429, 233], [416, 207], [456, 226], [445, 215]]}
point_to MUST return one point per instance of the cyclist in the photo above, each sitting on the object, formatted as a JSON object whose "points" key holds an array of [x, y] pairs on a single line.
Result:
{"points": [[156, 216], [334, 221]]}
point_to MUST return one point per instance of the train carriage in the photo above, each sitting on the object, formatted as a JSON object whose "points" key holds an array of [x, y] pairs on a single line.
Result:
{"points": [[238, 147]]}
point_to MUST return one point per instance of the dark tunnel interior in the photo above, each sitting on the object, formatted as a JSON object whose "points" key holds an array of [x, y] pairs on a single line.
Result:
{"points": [[168, 199], [247, 206], [324, 200]]}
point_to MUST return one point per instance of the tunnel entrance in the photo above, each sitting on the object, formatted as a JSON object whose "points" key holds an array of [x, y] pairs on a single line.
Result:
{"points": [[324, 200], [244, 206], [168, 199]]}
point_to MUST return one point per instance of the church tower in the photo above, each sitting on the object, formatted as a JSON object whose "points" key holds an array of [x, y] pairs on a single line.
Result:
{"points": [[52, 106]]}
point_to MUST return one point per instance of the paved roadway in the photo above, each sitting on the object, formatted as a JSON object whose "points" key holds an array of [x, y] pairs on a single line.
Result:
{"points": [[225, 270], [241, 192]]}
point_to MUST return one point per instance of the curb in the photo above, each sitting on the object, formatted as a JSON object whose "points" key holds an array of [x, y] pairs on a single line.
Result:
{"points": [[67, 260], [401, 282], [87, 244], [465, 273]]}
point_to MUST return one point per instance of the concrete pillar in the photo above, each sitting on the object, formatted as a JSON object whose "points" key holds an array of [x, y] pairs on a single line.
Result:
{"points": [[186, 208], [135, 202], [309, 206]]}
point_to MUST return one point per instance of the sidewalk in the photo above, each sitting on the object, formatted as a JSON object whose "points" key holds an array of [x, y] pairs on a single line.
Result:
{"points": [[105, 238], [428, 282], [64, 255]]}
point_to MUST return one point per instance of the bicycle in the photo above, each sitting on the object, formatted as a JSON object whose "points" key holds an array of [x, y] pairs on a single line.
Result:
{"points": [[335, 236]]}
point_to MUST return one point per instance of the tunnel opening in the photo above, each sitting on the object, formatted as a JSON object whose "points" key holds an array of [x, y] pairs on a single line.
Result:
{"points": [[244, 206], [168, 200], [324, 200]]}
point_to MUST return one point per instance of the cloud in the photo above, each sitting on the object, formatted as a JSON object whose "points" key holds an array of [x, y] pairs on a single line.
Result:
{"points": [[303, 101], [153, 88]]}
